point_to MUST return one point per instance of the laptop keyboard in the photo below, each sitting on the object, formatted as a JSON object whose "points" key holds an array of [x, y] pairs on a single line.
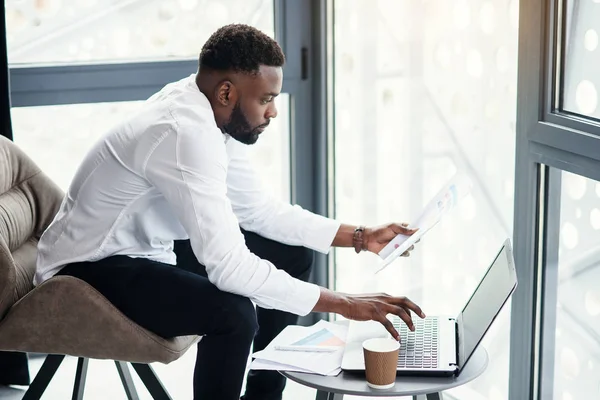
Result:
{"points": [[418, 349]]}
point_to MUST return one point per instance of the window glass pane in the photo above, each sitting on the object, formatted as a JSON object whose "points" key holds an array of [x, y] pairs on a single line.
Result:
{"points": [[58, 137], [51, 31], [422, 90], [577, 358], [582, 58], [270, 155]]}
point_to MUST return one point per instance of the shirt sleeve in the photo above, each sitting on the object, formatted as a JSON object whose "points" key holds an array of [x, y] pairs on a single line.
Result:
{"points": [[259, 212], [189, 167]]}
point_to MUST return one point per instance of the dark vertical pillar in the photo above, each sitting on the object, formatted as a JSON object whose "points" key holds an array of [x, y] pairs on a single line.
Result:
{"points": [[5, 123], [13, 366]]}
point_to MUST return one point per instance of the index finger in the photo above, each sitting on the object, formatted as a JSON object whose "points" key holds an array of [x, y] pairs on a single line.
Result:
{"points": [[407, 303]]}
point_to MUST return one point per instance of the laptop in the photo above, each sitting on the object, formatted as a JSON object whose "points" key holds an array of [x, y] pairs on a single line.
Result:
{"points": [[441, 346]]}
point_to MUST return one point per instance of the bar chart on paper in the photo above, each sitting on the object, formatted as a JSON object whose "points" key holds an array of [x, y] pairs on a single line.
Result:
{"points": [[324, 338]]}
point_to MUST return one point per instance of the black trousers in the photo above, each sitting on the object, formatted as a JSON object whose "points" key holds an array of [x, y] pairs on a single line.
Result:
{"points": [[179, 300], [14, 368]]}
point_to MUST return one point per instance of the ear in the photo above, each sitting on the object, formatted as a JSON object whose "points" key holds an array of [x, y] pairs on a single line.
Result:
{"points": [[226, 93]]}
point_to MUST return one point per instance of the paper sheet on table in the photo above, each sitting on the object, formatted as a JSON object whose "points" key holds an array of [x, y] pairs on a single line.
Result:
{"points": [[445, 200], [323, 363], [273, 366]]}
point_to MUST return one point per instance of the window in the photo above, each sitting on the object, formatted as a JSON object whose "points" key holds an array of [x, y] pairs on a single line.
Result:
{"points": [[423, 90], [553, 329], [60, 31], [576, 361], [271, 153], [58, 137], [582, 58]]}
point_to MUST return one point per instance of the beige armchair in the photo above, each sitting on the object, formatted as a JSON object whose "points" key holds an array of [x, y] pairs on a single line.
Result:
{"points": [[64, 315]]}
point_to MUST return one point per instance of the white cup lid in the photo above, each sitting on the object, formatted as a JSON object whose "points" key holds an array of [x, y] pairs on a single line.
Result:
{"points": [[381, 345]]}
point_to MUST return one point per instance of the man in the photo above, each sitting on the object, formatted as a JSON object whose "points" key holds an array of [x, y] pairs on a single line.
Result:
{"points": [[152, 220]]}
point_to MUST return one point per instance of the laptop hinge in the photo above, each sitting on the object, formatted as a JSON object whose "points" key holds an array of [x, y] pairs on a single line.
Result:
{"points": [[457, 342]]}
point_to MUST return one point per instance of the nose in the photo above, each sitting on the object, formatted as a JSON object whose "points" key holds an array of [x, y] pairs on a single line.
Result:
{"points": [[271, 111]]}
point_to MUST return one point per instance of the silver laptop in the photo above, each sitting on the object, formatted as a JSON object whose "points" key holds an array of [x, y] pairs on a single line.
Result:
{"points": [[442, 345]]}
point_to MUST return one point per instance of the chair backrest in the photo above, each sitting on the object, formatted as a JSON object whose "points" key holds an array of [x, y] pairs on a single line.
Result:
{"points": [[29, 200]]}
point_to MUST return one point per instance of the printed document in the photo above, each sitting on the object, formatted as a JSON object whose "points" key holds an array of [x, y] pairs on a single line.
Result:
{"points": [[445, 200], [314, 349]]}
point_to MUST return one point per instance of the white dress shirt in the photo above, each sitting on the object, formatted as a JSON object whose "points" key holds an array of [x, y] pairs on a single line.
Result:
{"points": [[168, 173]]}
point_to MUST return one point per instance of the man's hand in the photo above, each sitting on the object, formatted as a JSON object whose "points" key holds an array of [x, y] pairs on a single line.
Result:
{"points": [[378, 237], [369, 307]]}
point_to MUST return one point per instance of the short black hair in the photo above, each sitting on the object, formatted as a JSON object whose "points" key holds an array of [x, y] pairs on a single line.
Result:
{"points": [[240, 48]]}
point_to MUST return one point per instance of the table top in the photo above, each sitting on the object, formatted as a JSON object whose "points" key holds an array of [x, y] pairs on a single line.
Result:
{"points": [[356, 384]]}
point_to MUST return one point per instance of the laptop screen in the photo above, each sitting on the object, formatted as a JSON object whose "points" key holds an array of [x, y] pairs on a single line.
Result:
{"points": [[486, 302]]}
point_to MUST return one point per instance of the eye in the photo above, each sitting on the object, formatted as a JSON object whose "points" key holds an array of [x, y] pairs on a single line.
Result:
{"points": [[266, 101]]}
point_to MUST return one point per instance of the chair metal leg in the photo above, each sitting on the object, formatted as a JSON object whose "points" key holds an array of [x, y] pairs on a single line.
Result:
{"points": [[43, 377], [127, 380], [323, 395], [151, 381], [80, 374]]}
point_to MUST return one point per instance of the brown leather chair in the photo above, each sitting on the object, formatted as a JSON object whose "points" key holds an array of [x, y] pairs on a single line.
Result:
{"points": [[64, 315]]}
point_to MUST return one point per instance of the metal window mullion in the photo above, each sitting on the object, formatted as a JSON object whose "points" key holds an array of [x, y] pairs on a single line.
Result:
{"points": [[565, 160], [301, 31], [523, 315], [573, 122], [63, 85], [530, 109], [292, 32], [279, 22], [90, 83], [549, 283], [319, 101], [560, 137]]}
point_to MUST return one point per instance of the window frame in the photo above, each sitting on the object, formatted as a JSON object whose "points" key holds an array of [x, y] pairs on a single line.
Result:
{"points": [[549, 141]]}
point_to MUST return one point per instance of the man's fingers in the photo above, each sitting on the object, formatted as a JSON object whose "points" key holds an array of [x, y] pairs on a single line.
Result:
{"points": [[405, 316], [407, 303], [402, 228], [407, 252], [390, 328], [408, 311]]}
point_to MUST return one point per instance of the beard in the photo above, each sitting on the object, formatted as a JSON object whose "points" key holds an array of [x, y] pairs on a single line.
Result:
{"points": [[240, 129]]}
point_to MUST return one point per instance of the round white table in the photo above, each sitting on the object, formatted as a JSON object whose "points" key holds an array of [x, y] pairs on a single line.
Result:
{"points": [[430, 388]]}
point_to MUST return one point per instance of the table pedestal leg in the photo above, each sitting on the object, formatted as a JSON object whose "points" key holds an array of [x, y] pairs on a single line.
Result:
{"points": [[323, 395], [429, 396]]}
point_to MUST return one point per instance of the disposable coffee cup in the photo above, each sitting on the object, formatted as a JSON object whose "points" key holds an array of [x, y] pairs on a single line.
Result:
{"points": [[381, 360]]}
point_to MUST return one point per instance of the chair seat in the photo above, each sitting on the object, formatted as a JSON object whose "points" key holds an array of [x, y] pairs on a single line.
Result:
{"points": [[66, 315]]}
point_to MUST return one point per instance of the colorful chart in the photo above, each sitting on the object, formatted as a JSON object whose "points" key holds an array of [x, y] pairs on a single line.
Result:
{"points": [[323, 337]]}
